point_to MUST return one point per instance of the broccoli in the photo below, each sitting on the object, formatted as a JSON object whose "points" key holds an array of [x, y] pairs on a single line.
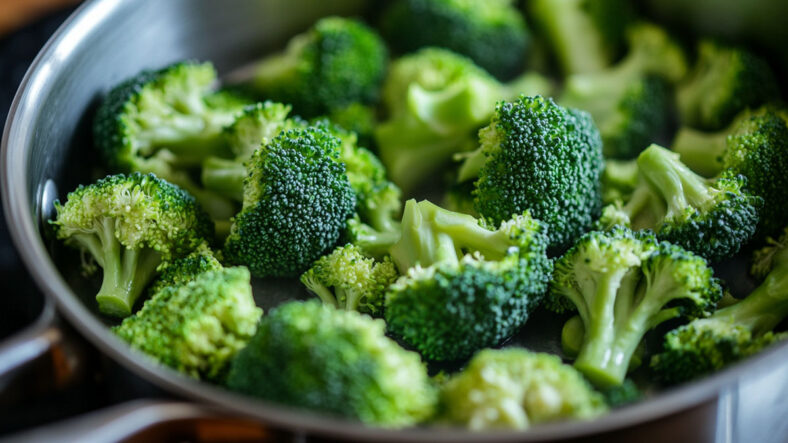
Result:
{"points": [[337, 62], [630, 102], [313, 356], [623, 284], [573, 334], [539, 156], [254, 127], [179, 271], [128, 224], [755, 146], [196, 327], [297, 200], [725, 81], [515, 389], [347, 279], [167, 122], [585, 35], [359, 118], [712, 218], [733, 332], [465, 286], [492, 33]]}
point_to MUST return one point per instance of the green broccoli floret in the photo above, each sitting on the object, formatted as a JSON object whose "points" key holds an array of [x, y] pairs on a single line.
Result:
{"points": [[297, 200], [179, 271], [359, 118], [585, 35], [725, 81], [167, 122], [712, 218], [623, 284], [516, 389], [310, 355], [492, 33], [734, 332], [619, 180], [347, 279], [630, 102], [538, 156], [128, 224], [337, 62], [256, 126], [197, 327], [755, 146], [465, 286], [621, 395]]}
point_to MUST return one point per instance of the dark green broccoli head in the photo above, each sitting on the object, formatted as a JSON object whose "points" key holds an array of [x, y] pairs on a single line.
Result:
{"points": [[297, 200], [348, 279], [725, 81], [179, 271], [337, 62], [543, 158], [310, 355], [128, 224], [196, 327], [515, 389], [622, 284], [492, 33]]}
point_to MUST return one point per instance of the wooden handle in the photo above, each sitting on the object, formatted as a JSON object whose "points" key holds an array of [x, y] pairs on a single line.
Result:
{"points": [[16, 13]]}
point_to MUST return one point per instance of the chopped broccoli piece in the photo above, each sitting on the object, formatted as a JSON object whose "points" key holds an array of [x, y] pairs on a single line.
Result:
{"points": [[297, 200], [347, 279], [712, 218], [725, 81], [167, 122], [630, 102], [128, 224], [196, 327], [337, 62], [515, 389], [538, 156], [310, 355], [585, 35], [179, 271], [492, 33], [734, 332], [623, 284], [465, 286], [573, 333]]}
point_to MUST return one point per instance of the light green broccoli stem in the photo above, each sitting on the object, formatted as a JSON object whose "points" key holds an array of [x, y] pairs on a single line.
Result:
{"points": [[701, 151], [675, 182], [126, 271], [225, 177], [764, 308]]}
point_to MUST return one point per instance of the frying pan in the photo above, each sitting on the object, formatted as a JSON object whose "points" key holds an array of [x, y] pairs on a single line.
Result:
{"points": [[46, 151]]}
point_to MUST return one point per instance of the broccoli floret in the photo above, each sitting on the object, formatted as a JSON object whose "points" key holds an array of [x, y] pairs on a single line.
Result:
{"points": [[347, 279], [435, 100], [297, 200], [492, 33], [128, 224], [712, 218], [358, 118], [197, 327], [256, 126], [725, 81], [630, 102], [337, 62], [179, 271], [542, 157], [515, 389], [621, 395], [167, 122], [755, 146], [734, 332], [585, 35], [619, 180], [310, 355], [465, 286], [623, 284]]}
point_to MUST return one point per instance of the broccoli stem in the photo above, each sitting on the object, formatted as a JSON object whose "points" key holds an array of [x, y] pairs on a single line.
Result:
{"points": [[469, 170], [764, 308], [126, 272], [376, 243], [225, 177], [467, 233], [325, 294], [701, 151]]}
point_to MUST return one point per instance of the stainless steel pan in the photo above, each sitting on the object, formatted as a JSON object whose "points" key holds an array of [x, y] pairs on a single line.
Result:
{"points": [[46, 148]]}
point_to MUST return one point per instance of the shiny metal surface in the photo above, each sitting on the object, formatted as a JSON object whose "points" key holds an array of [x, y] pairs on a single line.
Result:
{"points": [[47, 137]]}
